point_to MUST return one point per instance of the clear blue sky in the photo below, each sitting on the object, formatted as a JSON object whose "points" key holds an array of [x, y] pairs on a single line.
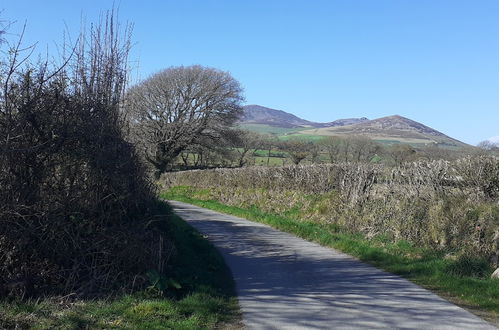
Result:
{"points": [[434, 61]]}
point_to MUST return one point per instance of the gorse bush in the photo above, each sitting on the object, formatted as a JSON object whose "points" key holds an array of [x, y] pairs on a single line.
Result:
{"points": [[73, 197], [440, 204]]}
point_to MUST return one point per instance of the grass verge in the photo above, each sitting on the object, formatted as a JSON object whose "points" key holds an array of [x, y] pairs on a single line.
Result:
{"points": [[205, 297], [429, 268]]}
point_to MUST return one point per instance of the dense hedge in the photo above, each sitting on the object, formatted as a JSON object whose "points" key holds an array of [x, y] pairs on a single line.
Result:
{"points": [[449, 205]]}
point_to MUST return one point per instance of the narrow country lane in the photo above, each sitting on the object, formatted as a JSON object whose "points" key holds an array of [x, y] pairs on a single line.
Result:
{"points": [[284, 282]]}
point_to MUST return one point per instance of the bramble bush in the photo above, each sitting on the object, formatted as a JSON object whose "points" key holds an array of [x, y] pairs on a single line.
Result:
{"points": [[76, 206]]}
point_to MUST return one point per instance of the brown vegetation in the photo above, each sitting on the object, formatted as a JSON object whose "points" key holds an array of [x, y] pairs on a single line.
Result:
{"points": [[73, 195], [450, 205]]}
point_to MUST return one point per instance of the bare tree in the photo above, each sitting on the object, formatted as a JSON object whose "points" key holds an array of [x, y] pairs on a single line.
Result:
{"points": [[489, 146], [401, 153], [245, 143], [207, 152], [173, 108], [269, 142], [298, 149], [350, 148], [346, 145], [332, 145], [363, 149]]}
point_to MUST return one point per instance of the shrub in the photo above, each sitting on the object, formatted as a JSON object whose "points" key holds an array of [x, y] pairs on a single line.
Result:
{"points": [[74, 199], [439, 204]]}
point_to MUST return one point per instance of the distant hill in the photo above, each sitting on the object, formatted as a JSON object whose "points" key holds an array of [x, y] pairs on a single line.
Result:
{"points": [[256, 114], [391, 129], [347, 121]]}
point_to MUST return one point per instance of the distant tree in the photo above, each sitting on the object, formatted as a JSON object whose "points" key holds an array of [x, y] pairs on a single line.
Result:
{"points": [[269, 142], [401, 153], [332, 145], [434, 152], [346, 145], [315, 152], [489, 146], [215, 155], [176, 107], [350, 148], [362, 149], [298, 149], [207, 152], [245, 143]]}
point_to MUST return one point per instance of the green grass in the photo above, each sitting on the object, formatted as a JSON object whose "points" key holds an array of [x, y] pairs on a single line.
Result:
{"points": [[301, 136], [427, 267], [273, 153], [206, 298]]}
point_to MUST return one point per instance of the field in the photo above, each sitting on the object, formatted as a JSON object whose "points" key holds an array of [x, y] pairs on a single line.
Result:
{"points": [[267, 129], [302, 135]]}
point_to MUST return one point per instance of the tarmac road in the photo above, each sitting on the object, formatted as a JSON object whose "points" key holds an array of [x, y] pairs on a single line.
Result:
{"points": [[284, 282]]}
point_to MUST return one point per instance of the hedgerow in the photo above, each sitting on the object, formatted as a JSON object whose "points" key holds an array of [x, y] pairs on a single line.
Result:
{"points": [[441, 204]]}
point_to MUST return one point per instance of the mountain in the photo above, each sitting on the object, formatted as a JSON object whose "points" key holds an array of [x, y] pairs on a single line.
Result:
{"points": [[256, 114], [391, 129], [343, 122]]}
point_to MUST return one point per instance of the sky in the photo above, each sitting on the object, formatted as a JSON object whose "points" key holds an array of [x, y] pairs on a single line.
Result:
{"points": [[433, 61]]}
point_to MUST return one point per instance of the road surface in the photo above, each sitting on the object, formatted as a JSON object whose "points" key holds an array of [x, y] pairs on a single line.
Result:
{"points": [[284, 282]]}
